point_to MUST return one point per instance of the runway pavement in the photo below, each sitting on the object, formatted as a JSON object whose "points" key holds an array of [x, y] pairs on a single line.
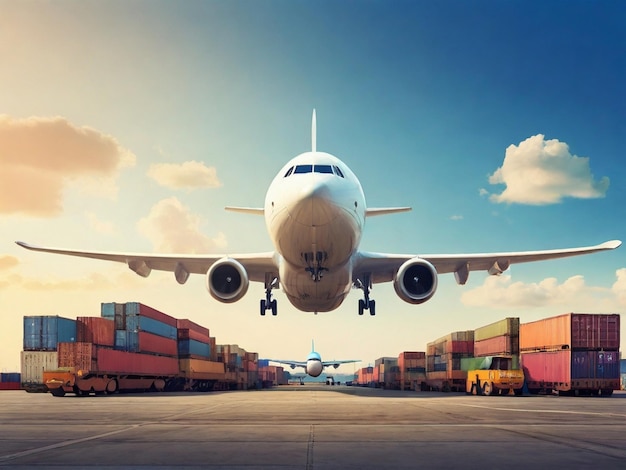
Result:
{"points": [[312, 427]]}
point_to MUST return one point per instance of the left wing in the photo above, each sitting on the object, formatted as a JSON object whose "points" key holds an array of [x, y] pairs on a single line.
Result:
{"points": [[382, 267], [292, 364], [256, 264]]}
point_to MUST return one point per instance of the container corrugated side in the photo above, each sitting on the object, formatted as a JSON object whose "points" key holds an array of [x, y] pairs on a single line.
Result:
{"points": [[122, 362], [79, 355], [139, 309], [185, 324], [199, 369], [42, 333], [96, 330], [186, 333], [571, 331], [190, 347], [150, 325], [34, 363], [144, 342], [497, 345], [508, 326], [12, 377]]}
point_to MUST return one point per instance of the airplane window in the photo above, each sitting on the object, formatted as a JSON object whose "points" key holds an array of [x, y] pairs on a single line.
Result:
{"points": [[303, 169], [323, 169], [289, 171], [338, 171]]}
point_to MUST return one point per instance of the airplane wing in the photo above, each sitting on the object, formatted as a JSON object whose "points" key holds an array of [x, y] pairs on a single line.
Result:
{"points": [[336, 364], [256, 264], [382, 267], [292, 364]]}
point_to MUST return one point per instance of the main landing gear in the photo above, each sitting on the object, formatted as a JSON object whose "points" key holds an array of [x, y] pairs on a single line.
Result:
{"points": [[365, 303], [268, 303]]}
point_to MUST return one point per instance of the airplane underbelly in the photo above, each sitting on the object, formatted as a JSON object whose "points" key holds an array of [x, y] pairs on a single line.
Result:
{"points": [[331, 243], [310, 296]]}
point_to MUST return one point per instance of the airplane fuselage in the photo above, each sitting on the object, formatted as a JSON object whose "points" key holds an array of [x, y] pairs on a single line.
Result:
{"points": [[315, 212]]}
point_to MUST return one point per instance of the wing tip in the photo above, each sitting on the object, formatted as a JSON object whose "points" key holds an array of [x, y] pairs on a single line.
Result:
{"points": [[611, 244]]}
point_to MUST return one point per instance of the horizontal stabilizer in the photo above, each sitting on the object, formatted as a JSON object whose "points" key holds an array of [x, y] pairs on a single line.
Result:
{"points": [[385, 210], [246, 210]]}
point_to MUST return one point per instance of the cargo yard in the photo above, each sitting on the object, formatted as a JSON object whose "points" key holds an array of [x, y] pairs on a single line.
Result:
{"points": [[132, 347], [312, 426]]}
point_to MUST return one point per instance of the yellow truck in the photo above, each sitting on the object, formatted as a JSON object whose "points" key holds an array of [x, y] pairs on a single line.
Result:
{"points": [[495, 375]]}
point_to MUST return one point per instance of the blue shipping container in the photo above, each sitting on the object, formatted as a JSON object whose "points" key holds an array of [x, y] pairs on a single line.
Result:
{"points": [[12, 377], [139, 323], [595, 364], [265, 363], [187, 347], [107, 310], [43, 333]]}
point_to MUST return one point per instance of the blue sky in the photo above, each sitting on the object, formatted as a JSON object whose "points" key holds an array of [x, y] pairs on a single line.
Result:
{"points": [[128, 126]]}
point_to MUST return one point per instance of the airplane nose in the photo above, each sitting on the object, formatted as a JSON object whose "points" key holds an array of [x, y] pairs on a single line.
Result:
{"points": [[315, 206]]}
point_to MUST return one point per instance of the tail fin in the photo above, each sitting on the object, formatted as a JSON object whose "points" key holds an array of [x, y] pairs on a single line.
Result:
{"points": [[313, 133]]}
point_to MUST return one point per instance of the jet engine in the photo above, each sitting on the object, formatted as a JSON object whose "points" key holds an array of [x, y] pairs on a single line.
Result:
{"points": [[227, 280], [415, 281]]}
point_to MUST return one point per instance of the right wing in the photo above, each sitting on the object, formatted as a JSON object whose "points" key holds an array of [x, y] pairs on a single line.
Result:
{"points": [[292, 364], [256, 264], [382, 267]]}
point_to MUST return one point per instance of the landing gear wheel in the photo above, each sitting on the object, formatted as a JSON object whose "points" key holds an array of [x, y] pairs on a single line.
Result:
{"points": [[361, 306], [274, 307], [372, 307], [263, 307]]}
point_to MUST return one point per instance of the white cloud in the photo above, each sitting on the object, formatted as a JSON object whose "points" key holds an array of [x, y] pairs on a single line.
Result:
{"points": [[502, 292], [456, 217], [188, 175], [539, 171], [39, 156], [98, 225], [173, 228]]}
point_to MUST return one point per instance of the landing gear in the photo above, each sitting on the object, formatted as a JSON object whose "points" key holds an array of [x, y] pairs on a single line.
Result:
{"points": [[365, 303], [268, 303]]}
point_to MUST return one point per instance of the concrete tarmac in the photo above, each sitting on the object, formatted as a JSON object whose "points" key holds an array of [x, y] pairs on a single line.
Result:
{"points": [[312, 427]]}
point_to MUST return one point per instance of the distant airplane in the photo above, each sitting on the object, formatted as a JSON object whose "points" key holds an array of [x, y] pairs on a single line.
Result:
{"points": [[314, 365], [315, 214]]}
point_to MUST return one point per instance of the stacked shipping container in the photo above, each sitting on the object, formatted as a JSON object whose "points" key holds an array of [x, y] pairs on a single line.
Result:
{"points": [[443, 360], [412, 365], [572, 353], [10, 380], [500, 338], [135, 342]]}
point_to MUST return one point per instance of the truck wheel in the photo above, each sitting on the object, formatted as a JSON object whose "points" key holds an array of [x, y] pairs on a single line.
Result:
{"points": [[487, 388], [518, 392], [57, 392], [111, 387]]}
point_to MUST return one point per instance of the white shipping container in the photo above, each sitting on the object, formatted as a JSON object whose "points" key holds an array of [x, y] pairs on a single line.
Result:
{"points": [[34, 363]]}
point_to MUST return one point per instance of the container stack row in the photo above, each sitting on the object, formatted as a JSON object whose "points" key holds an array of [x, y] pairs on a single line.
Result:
{"points": [[133, 340], [443, 360], [572, 353]]}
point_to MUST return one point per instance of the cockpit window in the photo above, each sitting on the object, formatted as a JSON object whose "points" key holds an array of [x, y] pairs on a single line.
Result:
{"points": [[303, 169], [326, 169], [323, 169]]}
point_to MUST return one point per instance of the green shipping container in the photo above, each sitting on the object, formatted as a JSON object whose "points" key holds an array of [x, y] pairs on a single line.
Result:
{"points": [[509, 326]]}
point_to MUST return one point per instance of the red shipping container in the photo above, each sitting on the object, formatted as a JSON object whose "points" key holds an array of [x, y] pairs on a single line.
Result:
{"points": [[80, 356], [567, 370], [184, 324], [125, 363], [505, 345], [186, 333], [10, 386], [96, 330], [571, 331], [157, 344], [465, 347], [146, 311]]}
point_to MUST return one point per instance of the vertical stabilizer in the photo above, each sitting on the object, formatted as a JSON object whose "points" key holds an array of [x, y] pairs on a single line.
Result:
{"points": [[313, 133]]}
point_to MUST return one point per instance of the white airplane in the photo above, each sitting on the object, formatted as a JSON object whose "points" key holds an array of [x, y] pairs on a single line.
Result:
{"points": [[314, 365], [315, 214]]}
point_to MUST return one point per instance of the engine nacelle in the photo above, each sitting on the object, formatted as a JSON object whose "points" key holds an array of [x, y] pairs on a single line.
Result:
{"points": [[227, 280], [415, 281]]}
